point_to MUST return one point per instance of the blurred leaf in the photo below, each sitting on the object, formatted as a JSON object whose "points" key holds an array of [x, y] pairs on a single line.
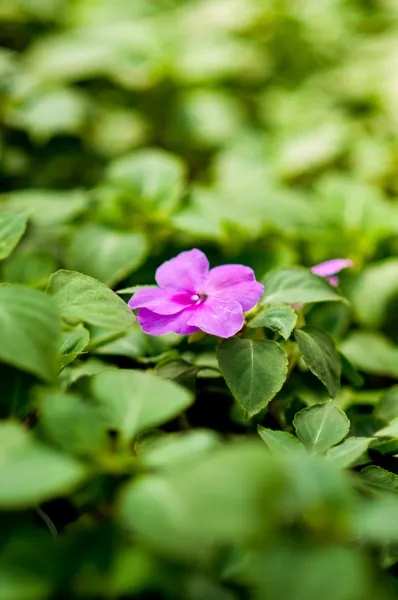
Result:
{"points": [[319, 353], [220, 498], [72, 423], [297, 285], [279, 441], [117, 130], [153, 177], [348, 205], [312, 149], [372, 352], [48, 207], [348, 452], [281, 318], [74, 341], [376, 521], [387, 408], [380, 479], [29, 331], [84, 299], [299, 572], [133, 344], [12, 228], [254, 371], [143, 401], [31, 473], [106, 254], [378, 284], [321, 426], [208, 116], [178, 449], [29, 268], [30, 587], [390, 431], [52, 112], [349, 372]]}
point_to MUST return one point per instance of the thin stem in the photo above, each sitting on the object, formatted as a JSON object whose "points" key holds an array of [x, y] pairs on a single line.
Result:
{"points": [[51, 527]]}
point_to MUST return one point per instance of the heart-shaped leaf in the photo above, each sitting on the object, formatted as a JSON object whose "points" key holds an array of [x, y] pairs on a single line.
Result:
{"points": [[278, 317], [142, 400], [319, 353], [321, 426], [254, 371], [82, 298]]}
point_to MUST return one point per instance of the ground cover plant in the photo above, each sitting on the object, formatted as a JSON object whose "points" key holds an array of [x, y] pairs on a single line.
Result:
{"points": [[198, 299]]}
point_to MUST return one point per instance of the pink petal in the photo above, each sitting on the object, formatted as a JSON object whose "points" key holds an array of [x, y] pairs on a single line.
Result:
{"points": [[156, 324], [186, 272], [234, 282], [160, 301], [223, 319], [331, 267], [333, 280]]}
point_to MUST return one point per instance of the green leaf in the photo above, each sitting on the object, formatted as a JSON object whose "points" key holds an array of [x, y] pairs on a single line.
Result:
{"points": [[319, 353], [106, 254], [254, 371], [52, 112], [279, 441], [296, 285], [375, 521], [349, 372], [296, 571], [321, 426], [12, 228], [390, 431], [31, 473], [154, 178], [221, 497], [142, 400], [72, 423], [348, 452], [279, 317], [49, 207], [380, 479], [179, 448], [30, 330], [72, 373], [30, 587], [29, 268], [378, 283], [82, 298], [74, 341], [372, 352], [387, 408], [133, 343]]}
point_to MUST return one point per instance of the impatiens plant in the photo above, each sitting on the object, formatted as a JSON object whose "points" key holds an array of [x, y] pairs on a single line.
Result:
{"points": [[190, 297]]}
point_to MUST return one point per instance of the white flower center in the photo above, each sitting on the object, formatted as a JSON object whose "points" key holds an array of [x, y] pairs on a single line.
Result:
{"points": [[198, 298]]}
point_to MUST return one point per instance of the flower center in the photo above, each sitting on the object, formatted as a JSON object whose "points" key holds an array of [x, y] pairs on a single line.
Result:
{"points": [[199, 297]]}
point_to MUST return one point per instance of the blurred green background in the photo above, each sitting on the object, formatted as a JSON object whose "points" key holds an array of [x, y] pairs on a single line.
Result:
{"points": [[262, 131]]}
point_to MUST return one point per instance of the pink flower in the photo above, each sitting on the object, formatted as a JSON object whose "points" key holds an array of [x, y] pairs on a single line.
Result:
{"points": [[329, 269], [190, 297]]}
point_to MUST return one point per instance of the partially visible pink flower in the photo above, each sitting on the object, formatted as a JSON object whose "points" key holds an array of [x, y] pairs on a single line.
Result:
{"points": [[330, 268], [190, 297]]}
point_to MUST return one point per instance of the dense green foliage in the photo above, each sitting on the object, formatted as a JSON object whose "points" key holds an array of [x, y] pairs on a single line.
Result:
{"points": [[263, 132]]}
